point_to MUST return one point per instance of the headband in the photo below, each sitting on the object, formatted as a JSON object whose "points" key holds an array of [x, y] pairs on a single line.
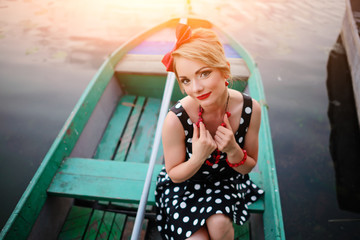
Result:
{"points": [[183, 34]]}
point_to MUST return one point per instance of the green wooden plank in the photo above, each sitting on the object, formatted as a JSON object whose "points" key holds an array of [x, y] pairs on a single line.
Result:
{"points": [[117, 227], [75, 224], [130, 130], [94, 224], [103, 168], [242, 232], [128, 228], [258, 206], [102, 180], [141, 146], [256, 178], [115, 127], [107, 222], [101, 188]]}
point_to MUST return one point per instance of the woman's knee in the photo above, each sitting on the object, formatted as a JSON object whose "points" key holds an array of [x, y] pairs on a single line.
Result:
{"points": [[220, 227], [201, 234]]}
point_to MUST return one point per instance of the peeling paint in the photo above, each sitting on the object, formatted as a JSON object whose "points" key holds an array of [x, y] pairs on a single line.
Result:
{"points": [[128, 104], [68, 132]]}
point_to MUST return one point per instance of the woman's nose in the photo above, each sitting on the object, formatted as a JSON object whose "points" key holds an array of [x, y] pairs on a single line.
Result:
{"points": [[197, 86]]}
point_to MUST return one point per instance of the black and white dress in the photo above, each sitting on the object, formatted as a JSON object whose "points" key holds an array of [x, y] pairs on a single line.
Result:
{"points": [[182, 208]]}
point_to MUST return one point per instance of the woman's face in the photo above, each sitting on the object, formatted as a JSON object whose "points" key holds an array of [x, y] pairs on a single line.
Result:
{"points": [[203, 83]]}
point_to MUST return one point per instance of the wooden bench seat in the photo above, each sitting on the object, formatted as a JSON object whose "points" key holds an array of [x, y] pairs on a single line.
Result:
{"points": [[111, 181], [102, 180]]}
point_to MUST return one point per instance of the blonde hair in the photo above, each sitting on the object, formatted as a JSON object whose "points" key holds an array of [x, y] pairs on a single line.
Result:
{"points": [[204, 46]]}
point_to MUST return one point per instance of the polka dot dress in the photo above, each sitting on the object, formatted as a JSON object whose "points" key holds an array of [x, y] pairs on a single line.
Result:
{"points": [[182, 208]]}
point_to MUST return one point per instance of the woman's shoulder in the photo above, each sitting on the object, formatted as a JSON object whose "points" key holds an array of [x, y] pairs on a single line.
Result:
{"points": [[178, 114], [190, 106], [172, 122], [239, 98], [186, 102], [236, 95]]}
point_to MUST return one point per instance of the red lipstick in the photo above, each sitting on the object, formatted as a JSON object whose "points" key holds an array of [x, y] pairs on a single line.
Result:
{"points": [[204, 96]]}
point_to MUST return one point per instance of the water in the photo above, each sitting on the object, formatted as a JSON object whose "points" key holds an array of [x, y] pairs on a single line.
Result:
{"points": [[49, 50]]}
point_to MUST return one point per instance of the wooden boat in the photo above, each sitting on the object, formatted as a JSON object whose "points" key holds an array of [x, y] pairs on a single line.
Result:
{"points": [[351, 42], [344, 150], [91, 181]]}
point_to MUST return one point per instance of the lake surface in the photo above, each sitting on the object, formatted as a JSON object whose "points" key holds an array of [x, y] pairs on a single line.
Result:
{"points": [[49, 50]]}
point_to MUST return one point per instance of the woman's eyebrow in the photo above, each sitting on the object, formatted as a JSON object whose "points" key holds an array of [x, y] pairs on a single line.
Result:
{"points": [[199, 70]]}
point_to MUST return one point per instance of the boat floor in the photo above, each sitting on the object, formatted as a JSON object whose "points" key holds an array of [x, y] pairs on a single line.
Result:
{"points": [[127, 141]]}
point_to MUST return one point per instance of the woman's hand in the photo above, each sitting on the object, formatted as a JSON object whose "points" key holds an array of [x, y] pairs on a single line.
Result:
{"points": [[224, 137], [202, 143]]}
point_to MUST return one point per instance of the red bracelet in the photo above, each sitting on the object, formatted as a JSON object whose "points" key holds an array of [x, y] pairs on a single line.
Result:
{"points": [[239, 163]]}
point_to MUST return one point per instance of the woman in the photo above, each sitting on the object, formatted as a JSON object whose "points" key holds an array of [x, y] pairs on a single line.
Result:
{"points": [[204, 186]]}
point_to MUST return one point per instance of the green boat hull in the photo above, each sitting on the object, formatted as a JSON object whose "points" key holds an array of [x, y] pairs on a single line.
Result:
{"points": [[126, 103]]}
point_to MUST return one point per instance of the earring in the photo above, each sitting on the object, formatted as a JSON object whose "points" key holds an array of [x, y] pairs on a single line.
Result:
{"points": [[226, 83]]}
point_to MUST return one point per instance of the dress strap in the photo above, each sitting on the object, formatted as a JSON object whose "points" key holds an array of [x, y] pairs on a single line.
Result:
{"points": [[245, 118], [183, 117]]}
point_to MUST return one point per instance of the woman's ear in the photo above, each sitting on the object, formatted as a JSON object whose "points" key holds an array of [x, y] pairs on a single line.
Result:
{"points": [[227, 76]]}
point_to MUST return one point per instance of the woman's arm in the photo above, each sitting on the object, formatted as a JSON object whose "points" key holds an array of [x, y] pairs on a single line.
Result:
{"points": [[227, 143], [173, 138]]}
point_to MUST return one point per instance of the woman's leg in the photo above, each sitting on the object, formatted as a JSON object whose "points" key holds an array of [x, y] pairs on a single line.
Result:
{"points": [[201, 234], [219, 226]]}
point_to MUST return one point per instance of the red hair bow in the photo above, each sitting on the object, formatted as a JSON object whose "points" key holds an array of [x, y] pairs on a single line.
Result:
{"points": [[183, 34]]}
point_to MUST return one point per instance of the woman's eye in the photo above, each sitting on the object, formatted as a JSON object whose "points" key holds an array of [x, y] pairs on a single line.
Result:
{"points": [[185, 81], [205, 74]]}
